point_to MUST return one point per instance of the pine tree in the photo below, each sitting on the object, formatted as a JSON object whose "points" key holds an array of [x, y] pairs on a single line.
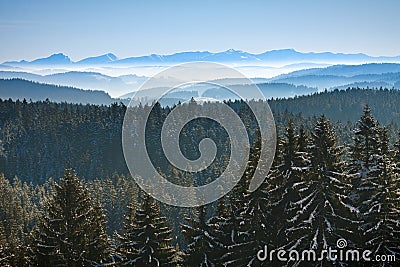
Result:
{"points": [[380, 211], [302, 140], [236, 230], [288, 180], [146, 239], [126, 249], [376, 193], [254, 231], [217, 227], [323, 215], [71, 232], [5, 253], [363, 153], [396, 156], [17, 217], [256, 228], [202, 246], [235, 239], [229, 227]]}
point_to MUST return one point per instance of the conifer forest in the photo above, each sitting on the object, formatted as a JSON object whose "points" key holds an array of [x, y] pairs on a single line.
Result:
{"points": [[68, 199]]}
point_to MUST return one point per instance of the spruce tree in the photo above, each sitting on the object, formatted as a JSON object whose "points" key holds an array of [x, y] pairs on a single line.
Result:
{"points": [[376, 193], [255, 230], [288, 183], [380, 210], [202, 246], [322, 211], [364, 154], [256, 227], [71, 231], [146, 240], [230, 228], [5, 253], [235, 239], [217, 227], [126, 250], [396, 155], [245, 227]]}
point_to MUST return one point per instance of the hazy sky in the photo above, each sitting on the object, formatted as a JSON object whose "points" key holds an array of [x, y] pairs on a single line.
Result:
{"points": [[32, 29]]}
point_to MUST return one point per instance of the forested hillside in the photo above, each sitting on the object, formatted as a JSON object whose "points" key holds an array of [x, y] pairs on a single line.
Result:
{"points": [[72, 202], [344, 105], [40, 138], [23, 89]]}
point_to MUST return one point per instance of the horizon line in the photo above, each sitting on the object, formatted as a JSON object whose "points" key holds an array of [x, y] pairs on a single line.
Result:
{"points": [[196, 51]]}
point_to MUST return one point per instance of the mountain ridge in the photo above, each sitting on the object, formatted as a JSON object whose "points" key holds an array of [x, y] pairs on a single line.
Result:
{"points": [[23, 89], [230, 55]]}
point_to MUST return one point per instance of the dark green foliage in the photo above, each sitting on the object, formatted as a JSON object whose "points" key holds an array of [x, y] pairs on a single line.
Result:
{"points": [[39, 138], [287, 178], [71, 232], [396, 156], [344, 105], [203, 247], [18, 212], [146, 240], [115, 194], [376, 187], [5, 253], [322, 186], [254, 215], [322, 215]]}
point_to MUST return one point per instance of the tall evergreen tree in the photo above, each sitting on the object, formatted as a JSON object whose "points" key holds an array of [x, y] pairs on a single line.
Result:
{"points": [[323, 215], [5, 253], [17, 215], [71, 232], [396, 155], [240, 236], [202, 246], [255, 229], [376, 192], [288, 183], [364, 152], [216, 226], [379, 201], [146, 240]]}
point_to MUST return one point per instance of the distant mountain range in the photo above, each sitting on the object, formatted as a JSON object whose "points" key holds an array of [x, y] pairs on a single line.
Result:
{"points": [[302, 82], [343, 76], [228, 56], [23, 89]]}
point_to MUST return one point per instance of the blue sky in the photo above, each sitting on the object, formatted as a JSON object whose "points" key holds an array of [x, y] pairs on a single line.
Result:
{"points": [[32, 29]]}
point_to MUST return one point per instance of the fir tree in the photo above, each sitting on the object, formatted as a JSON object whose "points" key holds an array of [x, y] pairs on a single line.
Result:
{"points": [[396, 156], [323, 215], [255, 230], [146, 240], [202, 245], [376, 192], [71, 231], [289, 181], [5, 253], [126, 249], [217, 227], [240, 236], [364, 152], [380, 211]]}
